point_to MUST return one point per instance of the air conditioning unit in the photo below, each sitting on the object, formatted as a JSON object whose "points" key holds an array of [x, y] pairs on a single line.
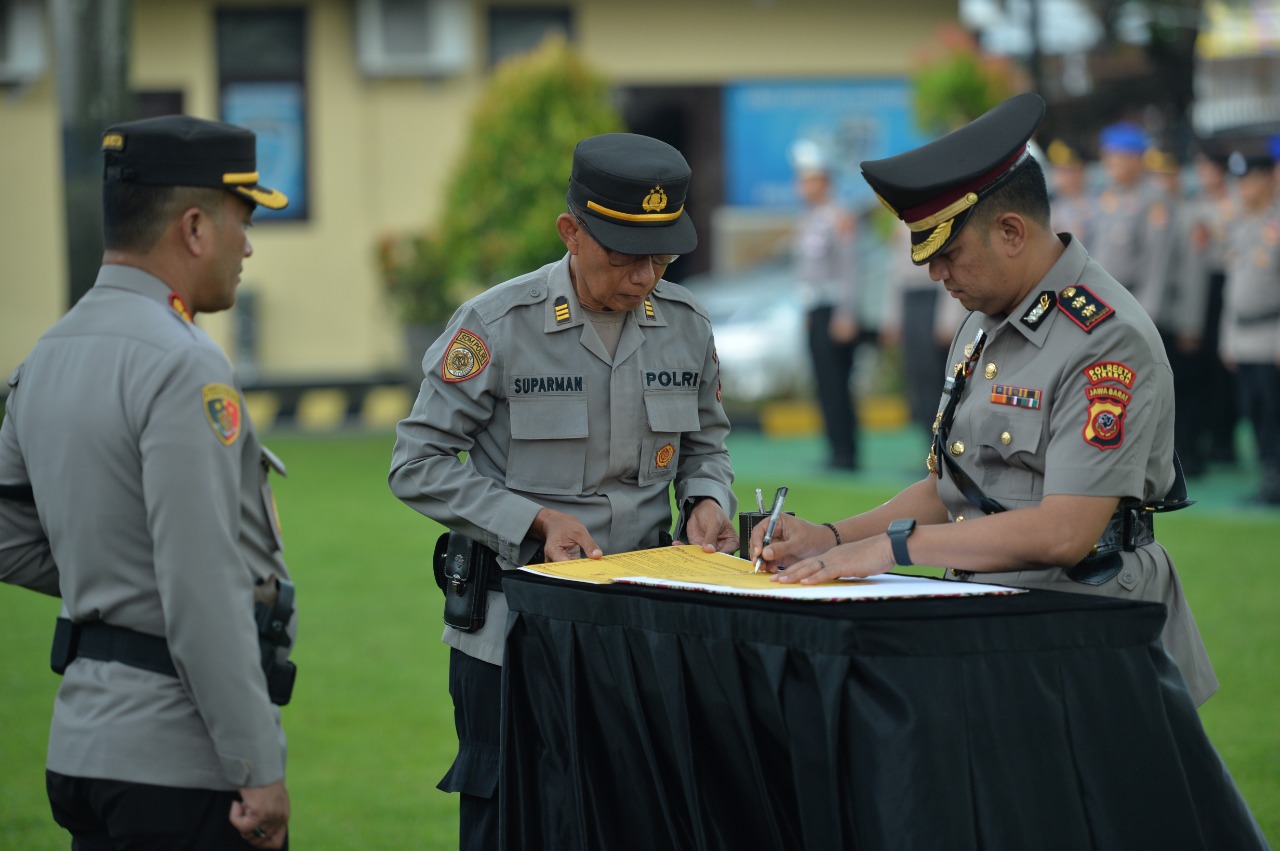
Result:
{"points": [[22, 41], [413, 38]]}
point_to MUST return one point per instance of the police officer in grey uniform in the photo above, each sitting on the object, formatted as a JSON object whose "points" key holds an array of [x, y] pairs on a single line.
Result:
{"points": [[1250, 337], [1070, 204], [1175, 296], [133, 486], [1054, 432], [580, 393], [1117, 236], [823, 252]]}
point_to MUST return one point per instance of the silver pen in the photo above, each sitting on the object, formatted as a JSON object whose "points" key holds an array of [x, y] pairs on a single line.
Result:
{"points": [[774, 514], [760, 500]]}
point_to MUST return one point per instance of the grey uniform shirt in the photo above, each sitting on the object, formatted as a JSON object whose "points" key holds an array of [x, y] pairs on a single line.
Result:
{"points": [[154, 506], [823, 250], [1056, 408], [1176, 290], [1118, 233], [1251, 301], [522, 384]]}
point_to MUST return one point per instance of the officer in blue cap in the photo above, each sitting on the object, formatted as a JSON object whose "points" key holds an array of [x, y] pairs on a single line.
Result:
{"points": [[1053, 440], [127, 452], [1117, 237]]}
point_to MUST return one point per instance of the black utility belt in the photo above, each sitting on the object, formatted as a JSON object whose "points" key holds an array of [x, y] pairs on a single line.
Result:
{"points": [[1259, 318], [1128, 529], [105, 642]]}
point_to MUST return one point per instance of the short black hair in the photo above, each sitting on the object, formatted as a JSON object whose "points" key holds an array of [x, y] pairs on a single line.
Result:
{"points": [[1024, 193], [134, 215]]}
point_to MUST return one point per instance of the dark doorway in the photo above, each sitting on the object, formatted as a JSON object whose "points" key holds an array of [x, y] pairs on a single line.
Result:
{"points": [[687, 118]]}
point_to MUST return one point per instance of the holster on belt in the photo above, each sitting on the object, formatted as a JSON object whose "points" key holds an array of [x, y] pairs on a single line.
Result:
{"points": [[465, 571]]}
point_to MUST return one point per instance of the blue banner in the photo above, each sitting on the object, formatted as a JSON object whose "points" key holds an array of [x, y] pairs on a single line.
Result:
{"points": [[852, 119]]}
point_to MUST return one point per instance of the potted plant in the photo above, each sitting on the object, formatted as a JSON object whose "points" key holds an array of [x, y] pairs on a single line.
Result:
{"points": [[416, 281]]}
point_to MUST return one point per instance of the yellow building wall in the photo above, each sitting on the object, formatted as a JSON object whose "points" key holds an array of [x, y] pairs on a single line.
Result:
{"points": [[381, 150], [33, 251]]}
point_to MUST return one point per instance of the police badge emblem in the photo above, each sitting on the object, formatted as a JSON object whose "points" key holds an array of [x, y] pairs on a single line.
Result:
{"points": [[222, 410], [466, 357]]}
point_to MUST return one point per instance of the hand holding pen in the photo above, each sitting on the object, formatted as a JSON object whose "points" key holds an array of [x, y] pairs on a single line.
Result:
{"points": [[774, 514]]}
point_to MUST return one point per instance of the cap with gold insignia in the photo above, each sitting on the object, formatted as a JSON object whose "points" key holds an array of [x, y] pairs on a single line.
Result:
{"points": [[179, 150], [1158, 159], [935, 187], [631, 190], [1065, 154]]}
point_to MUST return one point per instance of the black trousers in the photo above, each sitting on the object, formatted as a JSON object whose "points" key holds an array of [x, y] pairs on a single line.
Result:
{"points": [[114, 815], [1190, 410], [1259, 395], [476, 688], [832, 368], [1219, 402]]}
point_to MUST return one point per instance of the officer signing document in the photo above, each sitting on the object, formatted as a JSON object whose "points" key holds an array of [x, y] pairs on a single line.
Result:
{"points": [[581, 393]]}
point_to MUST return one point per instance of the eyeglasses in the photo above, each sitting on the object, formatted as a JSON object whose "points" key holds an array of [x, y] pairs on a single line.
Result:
{"points": [[617, 258]]}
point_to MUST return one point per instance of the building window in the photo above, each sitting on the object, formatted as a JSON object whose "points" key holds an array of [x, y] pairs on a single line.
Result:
{"points": [[519, 29], [262, 86]]}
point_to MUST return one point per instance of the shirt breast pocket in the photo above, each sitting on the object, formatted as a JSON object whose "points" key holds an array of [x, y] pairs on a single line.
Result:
{"points": [[548, 450], [669, 413], [1009, 451]]}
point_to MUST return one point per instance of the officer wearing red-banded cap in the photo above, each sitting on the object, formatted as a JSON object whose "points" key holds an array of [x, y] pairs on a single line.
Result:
{"points": [[581, 394], [133, 486], [1053, 440]]}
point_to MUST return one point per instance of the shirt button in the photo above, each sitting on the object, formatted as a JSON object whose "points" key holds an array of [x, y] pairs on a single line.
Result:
{"points": [[535, 292], [1006, 438], [990, 371], [959, 518], [957, 448]]}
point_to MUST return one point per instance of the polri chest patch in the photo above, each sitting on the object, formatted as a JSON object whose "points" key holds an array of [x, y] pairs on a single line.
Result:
{"points": [[466, 357], [222, 410]]}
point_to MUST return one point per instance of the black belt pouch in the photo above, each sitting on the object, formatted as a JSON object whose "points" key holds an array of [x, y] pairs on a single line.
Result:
{"points": [[464, 574]]}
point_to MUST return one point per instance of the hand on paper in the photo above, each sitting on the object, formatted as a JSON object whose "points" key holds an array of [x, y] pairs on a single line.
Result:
{"points": [[793, 539], [710, 527], [563, 536], [867, 557]]}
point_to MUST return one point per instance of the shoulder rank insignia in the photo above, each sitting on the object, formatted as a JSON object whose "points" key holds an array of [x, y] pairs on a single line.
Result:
{"points": [[466, 357], [179, 306], [222, 410], [562, 310], [648, 309], [1083, 307], [1042, 308]]}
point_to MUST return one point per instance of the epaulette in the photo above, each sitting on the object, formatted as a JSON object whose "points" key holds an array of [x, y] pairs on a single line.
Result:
{"points": [[1083, 307], [668, 291]]}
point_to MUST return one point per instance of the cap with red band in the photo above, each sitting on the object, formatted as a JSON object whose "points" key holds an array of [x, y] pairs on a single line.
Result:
{"points": [[935, 187]]}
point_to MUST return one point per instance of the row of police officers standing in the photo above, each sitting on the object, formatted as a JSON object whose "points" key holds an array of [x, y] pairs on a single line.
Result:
{"points": [[1204, 262], [558, 415]]}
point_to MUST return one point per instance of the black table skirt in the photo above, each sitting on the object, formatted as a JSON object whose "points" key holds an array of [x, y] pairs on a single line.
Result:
{"points": [[647, 719]]}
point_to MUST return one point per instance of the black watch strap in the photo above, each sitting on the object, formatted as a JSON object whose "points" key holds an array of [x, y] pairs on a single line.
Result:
{"points": [[899, 531]]}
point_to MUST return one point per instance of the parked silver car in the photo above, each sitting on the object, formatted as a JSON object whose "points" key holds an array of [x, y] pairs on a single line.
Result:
{"points": [[759, 333]]}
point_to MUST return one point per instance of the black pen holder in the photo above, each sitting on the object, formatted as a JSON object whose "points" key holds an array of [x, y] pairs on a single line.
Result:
{"points": [[747, 521]]}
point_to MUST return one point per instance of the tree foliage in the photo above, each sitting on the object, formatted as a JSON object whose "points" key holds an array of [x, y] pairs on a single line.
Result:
{"points": [[503, 199], [955, 83]]}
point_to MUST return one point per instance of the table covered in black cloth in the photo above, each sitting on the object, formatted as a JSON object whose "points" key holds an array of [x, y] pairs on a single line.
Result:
{"points": [[640, 718]]}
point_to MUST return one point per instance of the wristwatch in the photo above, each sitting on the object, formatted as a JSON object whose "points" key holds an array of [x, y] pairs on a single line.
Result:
{"points": [[899, 531]]}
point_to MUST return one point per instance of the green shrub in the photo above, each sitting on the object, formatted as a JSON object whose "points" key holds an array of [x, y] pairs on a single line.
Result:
{"points": [[502, 201], [955, 83]]}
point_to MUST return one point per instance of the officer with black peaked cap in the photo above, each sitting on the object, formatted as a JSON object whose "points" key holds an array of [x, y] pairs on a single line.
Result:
{"points": [[583, 392], [126, 449], [1053, 441]]}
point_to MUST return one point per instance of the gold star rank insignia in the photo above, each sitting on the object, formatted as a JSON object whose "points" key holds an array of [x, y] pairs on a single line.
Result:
{"points": [[1083, 307]]}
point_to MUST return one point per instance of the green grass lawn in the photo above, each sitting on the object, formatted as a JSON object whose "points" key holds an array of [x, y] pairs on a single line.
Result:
{"points": [[371, 727]]}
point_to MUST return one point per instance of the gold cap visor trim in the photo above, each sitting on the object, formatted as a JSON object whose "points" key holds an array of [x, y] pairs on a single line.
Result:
{"points": [[945, 214], [634, 217], [269, 198]]}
